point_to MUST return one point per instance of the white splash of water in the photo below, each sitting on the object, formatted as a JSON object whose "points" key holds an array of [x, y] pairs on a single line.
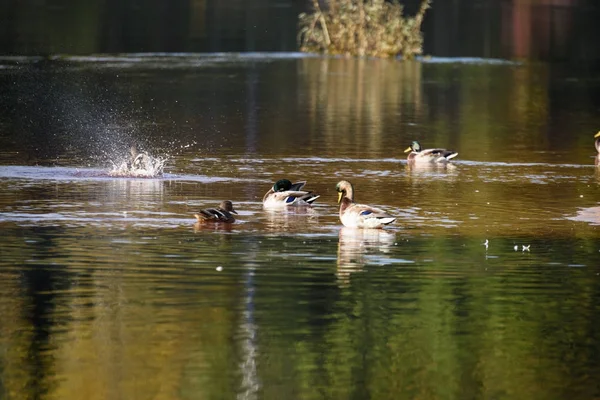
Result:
{"points": [[139, 165]]}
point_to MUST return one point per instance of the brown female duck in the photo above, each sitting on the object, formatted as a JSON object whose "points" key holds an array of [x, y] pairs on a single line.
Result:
{"points": [[219, 214], [355, 215]]}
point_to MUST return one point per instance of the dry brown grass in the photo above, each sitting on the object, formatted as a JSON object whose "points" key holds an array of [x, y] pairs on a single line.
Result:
{"points": [[375, 28]]}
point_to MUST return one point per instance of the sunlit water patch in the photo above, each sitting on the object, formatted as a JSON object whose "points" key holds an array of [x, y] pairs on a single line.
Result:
{"points": [[33, 173], [590, 215], [468, 60], [535, 173]]}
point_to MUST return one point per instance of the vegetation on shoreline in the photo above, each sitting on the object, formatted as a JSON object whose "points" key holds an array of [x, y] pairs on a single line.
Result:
{"points": [[376, 28]]}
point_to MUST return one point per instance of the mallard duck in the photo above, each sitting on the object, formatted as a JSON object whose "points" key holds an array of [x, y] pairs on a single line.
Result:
{"points": [[220, 214], [284, 193], [355, 215], [428, 155], [597, 145], [137, 160], [142, 161]]}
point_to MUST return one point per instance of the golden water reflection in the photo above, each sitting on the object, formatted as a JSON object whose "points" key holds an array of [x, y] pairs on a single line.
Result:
{"points": [[356, 245]]}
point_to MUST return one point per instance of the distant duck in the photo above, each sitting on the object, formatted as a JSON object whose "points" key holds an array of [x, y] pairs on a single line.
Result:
{"points": [[284, 193], [355, 215], [220, 214], [418, 155], [597, 144]]}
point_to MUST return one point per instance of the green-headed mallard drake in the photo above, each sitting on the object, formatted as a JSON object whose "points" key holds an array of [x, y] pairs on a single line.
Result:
{"points": [[428, 155], [284, 193], [220, 214], [355, 215]]}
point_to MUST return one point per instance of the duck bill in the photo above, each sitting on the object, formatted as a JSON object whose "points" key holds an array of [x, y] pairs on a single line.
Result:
{"points": [[233, 211], [597, 135], [339, 197], [407, 150]]}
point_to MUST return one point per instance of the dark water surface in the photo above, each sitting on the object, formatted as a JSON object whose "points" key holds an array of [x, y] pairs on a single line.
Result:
{"points": [[108, 290], [551, 30]]}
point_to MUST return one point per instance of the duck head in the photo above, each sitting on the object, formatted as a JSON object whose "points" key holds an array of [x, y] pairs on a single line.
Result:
{"points": [[227, 205], [345, 190], [415, 146], [282, 185]]}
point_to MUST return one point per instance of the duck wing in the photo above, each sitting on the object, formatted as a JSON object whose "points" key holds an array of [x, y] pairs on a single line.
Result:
{"points": [[438, 153], [364, 216], [297, 186], [290, 197], [214, 214]]}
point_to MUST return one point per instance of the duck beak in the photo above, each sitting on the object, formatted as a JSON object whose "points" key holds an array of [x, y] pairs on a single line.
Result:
{"points": [[597, 135], [407, 150], [339, 197], [233, 211]]}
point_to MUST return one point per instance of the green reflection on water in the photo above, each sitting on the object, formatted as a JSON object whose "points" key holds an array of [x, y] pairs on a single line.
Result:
{"points": [[428, 317]]}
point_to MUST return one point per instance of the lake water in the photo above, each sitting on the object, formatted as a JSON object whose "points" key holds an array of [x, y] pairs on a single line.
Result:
{"points": [[486, 286]]}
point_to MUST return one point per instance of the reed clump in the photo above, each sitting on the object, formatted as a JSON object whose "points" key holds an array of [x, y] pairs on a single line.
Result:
{"points": [[376, 28]]}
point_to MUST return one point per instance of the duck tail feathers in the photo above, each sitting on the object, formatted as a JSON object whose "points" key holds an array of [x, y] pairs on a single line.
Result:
{"points": [[310, 198]]}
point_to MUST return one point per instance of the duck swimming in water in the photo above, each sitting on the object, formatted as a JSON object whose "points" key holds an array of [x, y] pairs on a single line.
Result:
{"points": [[138, 160], [418, 155], [138, 164], [220, 214], [355, 215], [284, 193], [141, 161], [597, 145]]}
